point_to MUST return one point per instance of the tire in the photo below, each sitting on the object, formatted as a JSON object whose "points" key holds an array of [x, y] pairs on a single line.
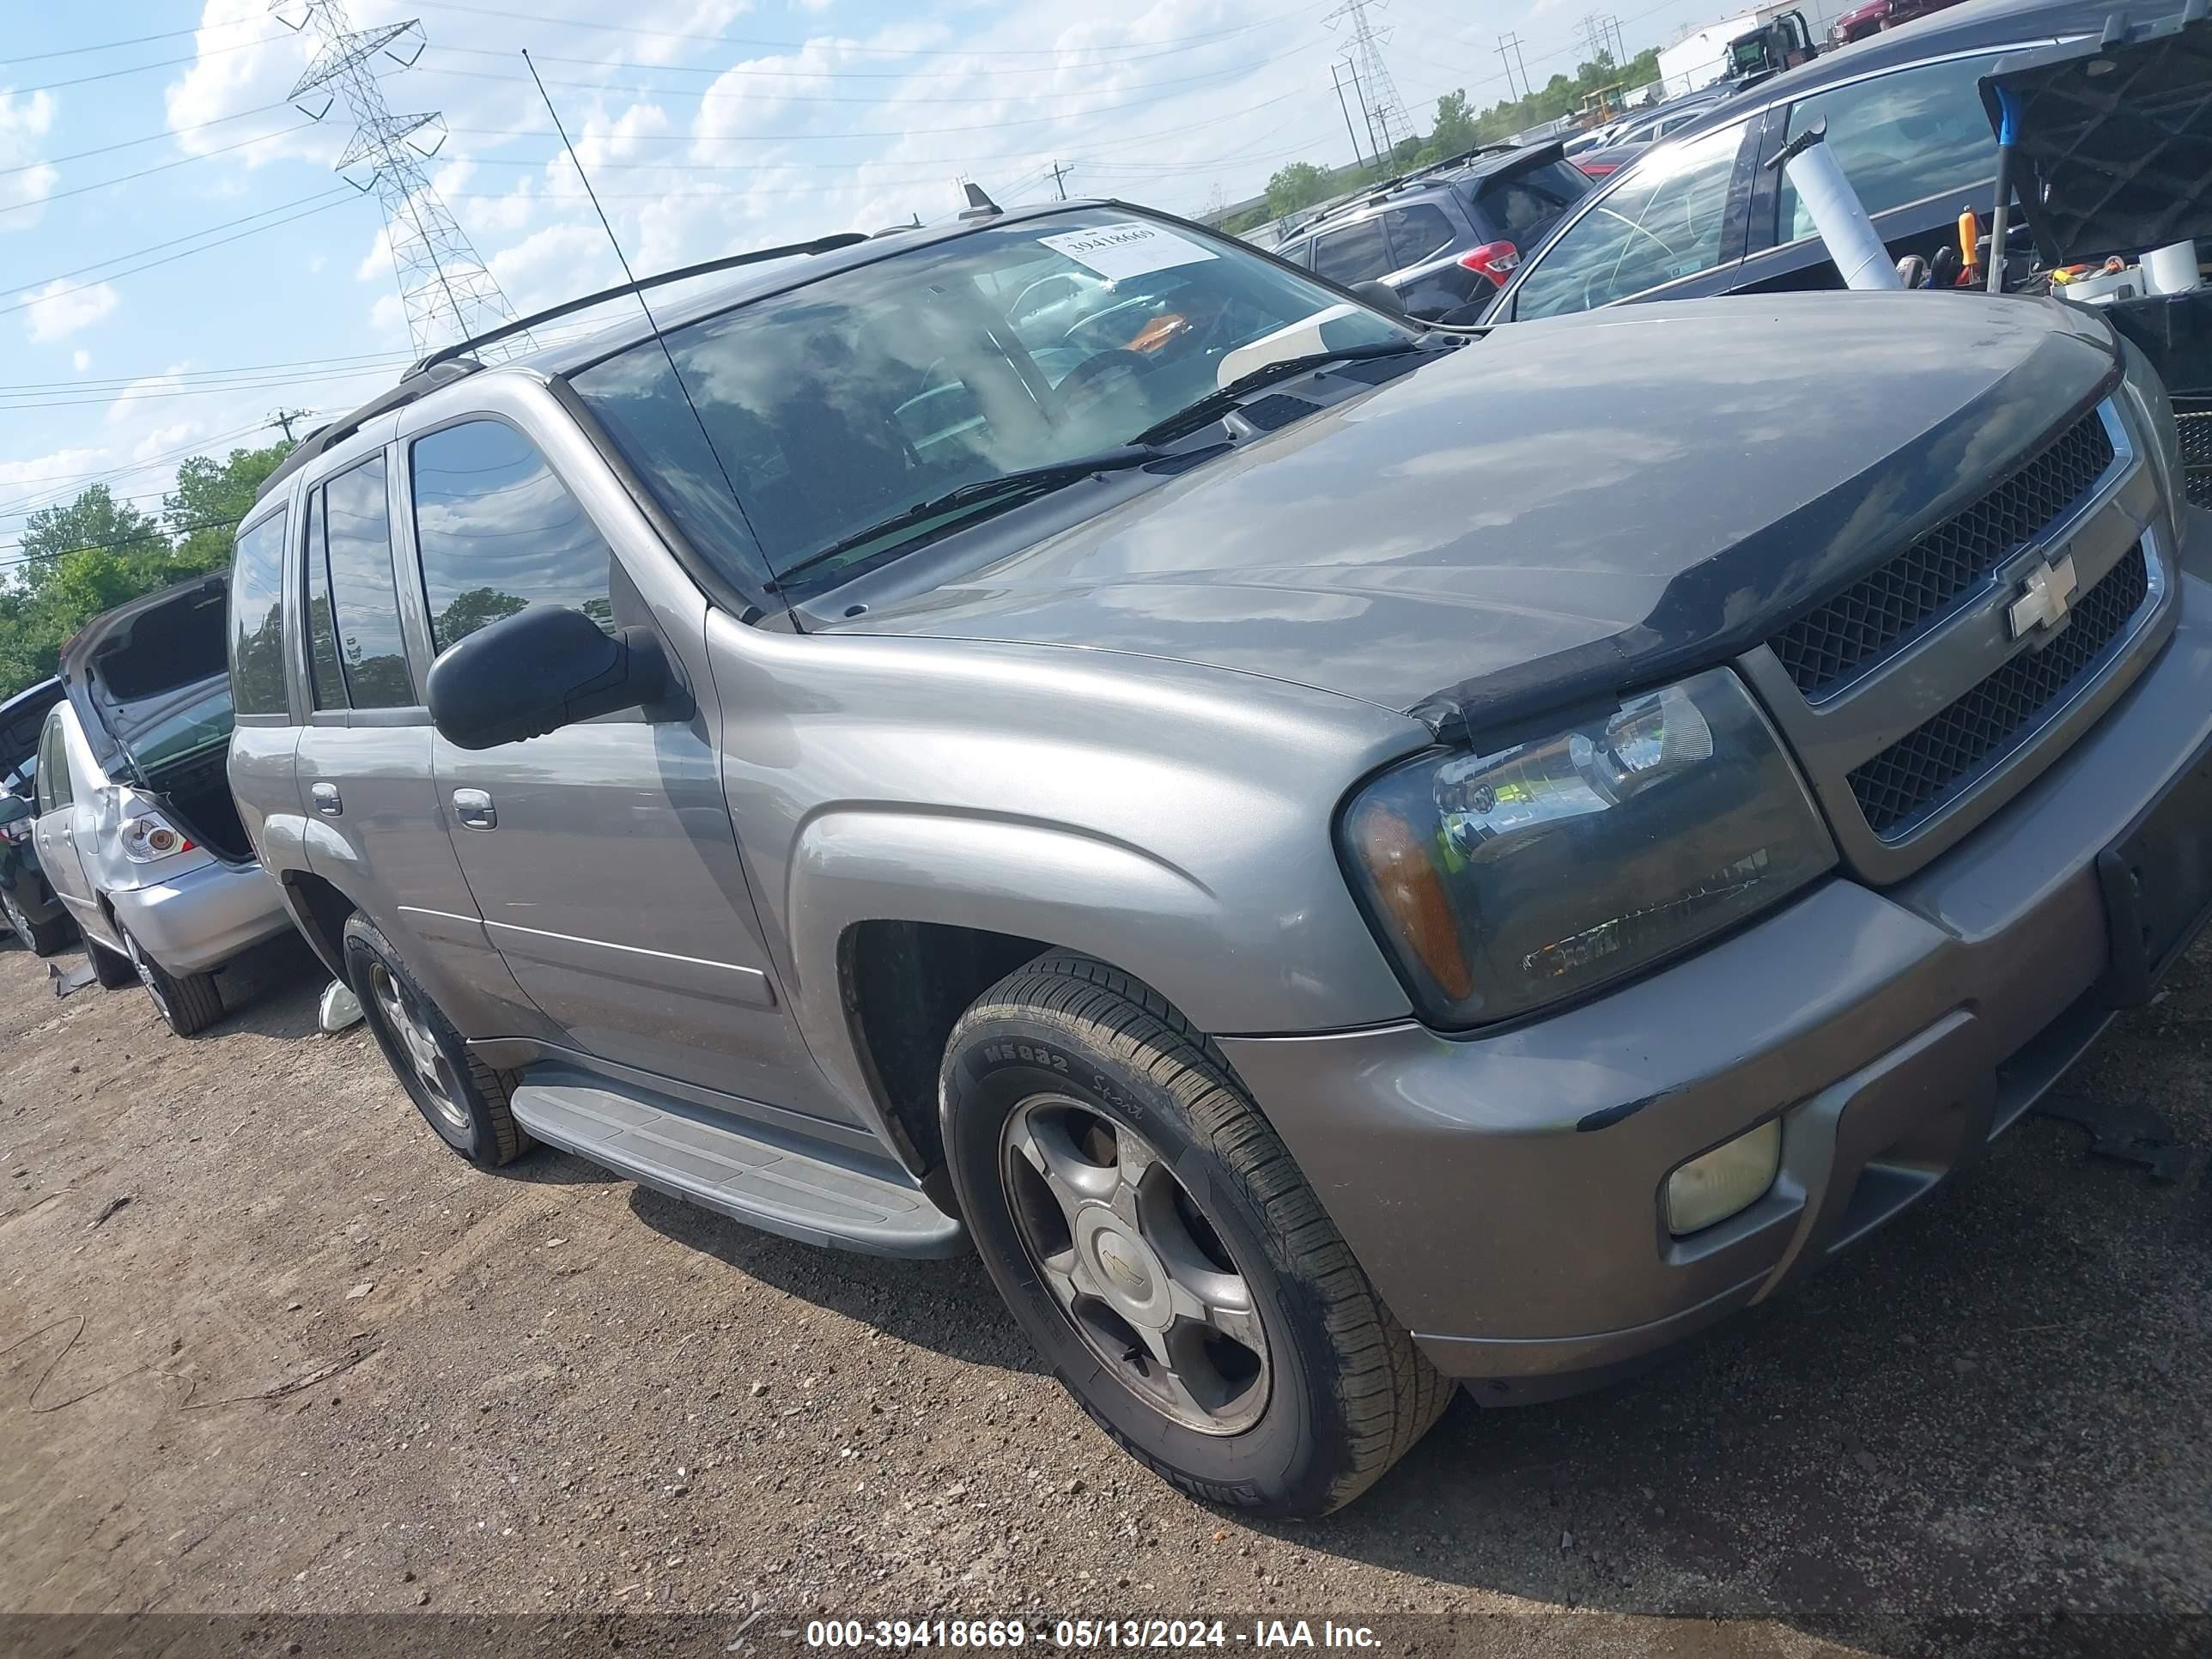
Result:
{"points": [[41, 938], [111, 968], [190, 1003], [1066, 1056], [461, 1097]]}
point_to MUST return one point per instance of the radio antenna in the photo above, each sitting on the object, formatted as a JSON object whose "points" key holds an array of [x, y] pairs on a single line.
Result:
{"points": [[651, 321]]}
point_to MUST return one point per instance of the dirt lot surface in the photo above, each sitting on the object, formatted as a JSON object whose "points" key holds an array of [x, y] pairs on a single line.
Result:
{"points": [[314, 1363]]}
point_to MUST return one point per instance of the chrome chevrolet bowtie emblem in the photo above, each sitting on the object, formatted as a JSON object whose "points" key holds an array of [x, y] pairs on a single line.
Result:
{"points": [[2045, 593]]}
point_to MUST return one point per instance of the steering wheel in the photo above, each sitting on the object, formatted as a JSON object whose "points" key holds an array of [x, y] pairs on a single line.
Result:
{"points": [[1077, 387]]}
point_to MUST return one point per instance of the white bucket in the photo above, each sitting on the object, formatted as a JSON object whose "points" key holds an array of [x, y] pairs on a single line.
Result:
{"points": [[2172, 269]]}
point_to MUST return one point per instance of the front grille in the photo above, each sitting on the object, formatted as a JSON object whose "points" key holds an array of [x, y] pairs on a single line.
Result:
{"points": [[1881, 611], [1934, 763], [2193, 416]]}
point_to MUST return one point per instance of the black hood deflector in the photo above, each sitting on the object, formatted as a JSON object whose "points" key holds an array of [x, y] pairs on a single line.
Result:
{"points": [[2112, 135]]}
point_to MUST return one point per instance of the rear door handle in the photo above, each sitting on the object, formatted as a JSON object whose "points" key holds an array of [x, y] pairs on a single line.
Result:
{"points": [[474, 809], [325, 797]]}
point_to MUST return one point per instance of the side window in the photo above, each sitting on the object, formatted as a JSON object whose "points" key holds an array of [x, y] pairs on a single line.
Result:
{"points": [[364, 603], [54, 789], [1357, 253], [1662, 221], [498, 531], [1900, 137], [257, 620], [1417, 232], [322, 627]]}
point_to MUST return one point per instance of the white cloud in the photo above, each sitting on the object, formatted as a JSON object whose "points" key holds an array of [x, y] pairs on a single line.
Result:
{"points": [[58, 309], [24, 179], [247, 60], [80, 360]]}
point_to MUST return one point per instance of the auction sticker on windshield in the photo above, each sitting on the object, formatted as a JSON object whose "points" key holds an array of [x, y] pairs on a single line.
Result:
{"points": [[1128, 249]]}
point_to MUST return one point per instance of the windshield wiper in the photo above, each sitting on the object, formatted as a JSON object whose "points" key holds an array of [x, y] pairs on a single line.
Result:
{"points": [[1214, 404], [1026, 480]]}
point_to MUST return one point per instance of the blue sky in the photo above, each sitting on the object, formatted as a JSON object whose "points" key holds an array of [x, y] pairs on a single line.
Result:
{"points": [[146, 318]]}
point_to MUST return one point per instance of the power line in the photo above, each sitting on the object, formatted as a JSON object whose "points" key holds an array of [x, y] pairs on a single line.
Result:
{"points": [[153, 533], [140, 69], [816, 138], [855, 46], [110, 46], [159, 167], [171, 258], [155, 247], [802, 98]]}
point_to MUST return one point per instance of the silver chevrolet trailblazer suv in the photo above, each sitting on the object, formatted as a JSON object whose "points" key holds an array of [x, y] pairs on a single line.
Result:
{"points": [[1333, 892]]}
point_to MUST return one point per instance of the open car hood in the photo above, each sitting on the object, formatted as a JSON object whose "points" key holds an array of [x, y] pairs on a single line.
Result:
{"points": [[2112, 135]]}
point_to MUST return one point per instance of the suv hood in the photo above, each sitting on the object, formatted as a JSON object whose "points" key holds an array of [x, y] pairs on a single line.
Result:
{"points": [[1560, 508]]}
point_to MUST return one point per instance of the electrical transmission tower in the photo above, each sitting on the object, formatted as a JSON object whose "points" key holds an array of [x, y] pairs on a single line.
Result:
{"points": [[444, 285], [1372, 75]]}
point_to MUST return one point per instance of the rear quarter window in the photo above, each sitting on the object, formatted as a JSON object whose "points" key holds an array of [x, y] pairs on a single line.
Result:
{"points": [[257, 620]]}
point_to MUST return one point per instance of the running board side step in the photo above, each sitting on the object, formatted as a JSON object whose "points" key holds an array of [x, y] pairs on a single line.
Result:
{"points": [[706, 1159]]}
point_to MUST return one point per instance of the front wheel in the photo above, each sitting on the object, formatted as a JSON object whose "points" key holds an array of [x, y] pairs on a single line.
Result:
{"points": [[461, 1097], [1155, 1239]]}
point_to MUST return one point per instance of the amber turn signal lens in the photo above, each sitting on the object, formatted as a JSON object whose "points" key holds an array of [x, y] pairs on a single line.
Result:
{"points": [[1407, 884]]}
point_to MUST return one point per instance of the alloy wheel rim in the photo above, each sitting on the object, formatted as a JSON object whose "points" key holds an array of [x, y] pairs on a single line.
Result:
{"points": [[424, 1057], [16, 920], [145, 971], [1135, 1265]]}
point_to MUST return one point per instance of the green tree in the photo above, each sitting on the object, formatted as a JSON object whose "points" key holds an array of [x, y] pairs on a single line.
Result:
{"points": [[211, 497], [1300, 184]]}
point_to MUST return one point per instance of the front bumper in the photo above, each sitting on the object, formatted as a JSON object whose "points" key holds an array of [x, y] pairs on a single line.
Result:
{"points": [[1502, 1192], [199, 920]]}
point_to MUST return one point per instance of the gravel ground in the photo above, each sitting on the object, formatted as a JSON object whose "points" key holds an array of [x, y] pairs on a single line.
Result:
{"points": [[265, 1348]]}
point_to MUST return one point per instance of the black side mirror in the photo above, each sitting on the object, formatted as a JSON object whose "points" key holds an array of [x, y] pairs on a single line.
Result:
{"points": [[537, 670], [14, 809], [1381, 296]]}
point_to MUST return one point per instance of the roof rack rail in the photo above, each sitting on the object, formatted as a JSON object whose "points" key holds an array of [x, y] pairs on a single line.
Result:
{"points": [[706, 267], [450, 364]]}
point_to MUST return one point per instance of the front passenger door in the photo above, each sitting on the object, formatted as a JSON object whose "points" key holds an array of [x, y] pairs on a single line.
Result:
{"points": [[601, 856]]}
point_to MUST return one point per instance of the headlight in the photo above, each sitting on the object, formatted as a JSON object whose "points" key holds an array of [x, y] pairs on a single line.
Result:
{"points": [[148, 837], [1499, 883]]}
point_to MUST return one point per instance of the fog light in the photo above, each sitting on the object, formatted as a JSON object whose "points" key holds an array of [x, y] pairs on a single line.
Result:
{"points": [[1731, 1177]]}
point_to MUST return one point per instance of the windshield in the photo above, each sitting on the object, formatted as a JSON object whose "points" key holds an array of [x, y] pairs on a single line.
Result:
{"points": [[843, 403]]}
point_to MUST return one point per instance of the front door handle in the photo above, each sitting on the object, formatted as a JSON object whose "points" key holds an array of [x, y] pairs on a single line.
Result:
{"points": [[325, 797], [474, 809]]}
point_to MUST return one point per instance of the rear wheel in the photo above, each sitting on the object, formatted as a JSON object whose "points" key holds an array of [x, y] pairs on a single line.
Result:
{"points": [[1155, 1240], [189, 1002], [461, 1097], [41, 938]]}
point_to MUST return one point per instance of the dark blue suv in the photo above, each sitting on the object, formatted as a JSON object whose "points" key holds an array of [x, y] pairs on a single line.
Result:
{"points": [[1448, 235]]}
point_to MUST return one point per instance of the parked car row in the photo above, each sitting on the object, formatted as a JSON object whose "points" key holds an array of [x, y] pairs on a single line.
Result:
{"points": [[1046, 734], [119, 823], [1702, 212]]}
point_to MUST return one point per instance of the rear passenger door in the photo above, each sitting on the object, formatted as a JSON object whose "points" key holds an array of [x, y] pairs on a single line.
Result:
{"points": [[54, 833], [374, 827], [601, 855], [1424, 249]]}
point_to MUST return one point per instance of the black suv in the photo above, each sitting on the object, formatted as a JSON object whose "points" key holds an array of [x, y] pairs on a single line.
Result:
{"points": [[1446, 236]]}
